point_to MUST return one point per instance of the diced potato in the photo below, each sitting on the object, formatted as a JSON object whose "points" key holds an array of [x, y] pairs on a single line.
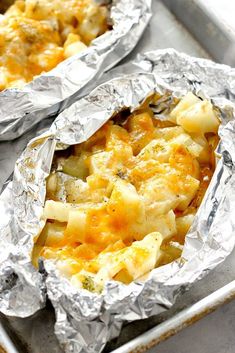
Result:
{"points": [[97, 140], [51, 183], [116, 135], [156, 149], [168, 133], [158, 195], [94, 23], [123, 276], [53, 234], [187, 101], [76, 166], [77, 191], [183, 224], [137, 259], [199, 118], [182, 160], [94, 190], [86, 251], [125, 204], [185, 140], [70, 266], [118, 141], [51, 186], [48, 58], [73, 45], [97, 181], [100, 163], [76, 228], [204, 156], [141, 130], [164, 224], [56, 210], [151, 167], [189, 189], [74, 48]]}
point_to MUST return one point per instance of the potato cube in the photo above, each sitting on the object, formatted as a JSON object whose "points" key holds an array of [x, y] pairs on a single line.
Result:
{"points": [[125, 203], [56, 210], [199, 118], [186, 102], [76, 228]]}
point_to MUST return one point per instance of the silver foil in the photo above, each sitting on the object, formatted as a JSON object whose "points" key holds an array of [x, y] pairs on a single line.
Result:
{"points": [[50, 93], [85, 321]]}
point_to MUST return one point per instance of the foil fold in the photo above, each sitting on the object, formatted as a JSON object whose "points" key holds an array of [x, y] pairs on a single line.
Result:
{"points": [[85, 321], [50, 93]]}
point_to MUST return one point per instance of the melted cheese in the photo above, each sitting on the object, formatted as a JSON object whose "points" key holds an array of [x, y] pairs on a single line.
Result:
{"points": [[130, 189], [36, 35]]}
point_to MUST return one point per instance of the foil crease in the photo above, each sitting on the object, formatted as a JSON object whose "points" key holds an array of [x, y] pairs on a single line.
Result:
{"points": [[50, 93], [85, 321]]}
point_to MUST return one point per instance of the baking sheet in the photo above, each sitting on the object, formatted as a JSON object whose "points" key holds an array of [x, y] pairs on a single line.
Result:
{"points": [[212, 24], [31, 335]]}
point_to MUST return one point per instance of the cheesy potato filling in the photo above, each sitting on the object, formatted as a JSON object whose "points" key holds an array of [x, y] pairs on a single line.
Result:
{"points": [[121, 203], [36, 35]]}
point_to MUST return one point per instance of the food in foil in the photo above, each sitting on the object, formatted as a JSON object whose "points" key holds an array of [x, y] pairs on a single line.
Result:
{"points": [[42, 40], [156, 84], [121, 203], [36, 35]]}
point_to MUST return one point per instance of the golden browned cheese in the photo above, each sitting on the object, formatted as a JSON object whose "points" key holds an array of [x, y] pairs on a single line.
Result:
{"points": [[121, 203], [36, 35]]}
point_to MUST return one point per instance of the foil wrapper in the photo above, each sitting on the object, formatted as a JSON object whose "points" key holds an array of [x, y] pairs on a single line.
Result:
{"points": [[50, 93], [85, 321]]}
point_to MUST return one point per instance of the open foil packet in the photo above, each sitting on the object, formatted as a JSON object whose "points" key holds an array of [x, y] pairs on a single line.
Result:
{"points": [[85, 321], [49, 94]]}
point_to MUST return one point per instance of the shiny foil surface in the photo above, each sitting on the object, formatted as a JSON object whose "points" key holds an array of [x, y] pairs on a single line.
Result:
{"points": [[85, 321], [50, 93]]}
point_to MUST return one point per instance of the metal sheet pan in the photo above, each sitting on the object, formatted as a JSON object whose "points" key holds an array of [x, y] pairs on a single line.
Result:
{"points": [[35, 334], [209, 22]]}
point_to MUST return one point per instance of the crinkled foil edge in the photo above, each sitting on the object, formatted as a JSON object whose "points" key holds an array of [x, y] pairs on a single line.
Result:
{"points": [[50, 93]]}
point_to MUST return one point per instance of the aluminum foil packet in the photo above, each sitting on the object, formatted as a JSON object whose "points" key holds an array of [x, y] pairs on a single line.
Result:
{"points": [[85, 321], [51, 92]]}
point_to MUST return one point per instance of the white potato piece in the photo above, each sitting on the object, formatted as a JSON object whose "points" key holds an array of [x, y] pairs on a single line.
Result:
{"points": [[183, 224], [74, 48], [52, 183], [157, 195], [187, 101], [184, 139], [125, 203], [138, 259], [69, 266], [164, 224], [77, 191], [199, 118], [190, 188], [76, 167], [168, 133], [76, 226], [205, 155], [99, 162], [157, 149], [56, 210], [53, 233]]}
